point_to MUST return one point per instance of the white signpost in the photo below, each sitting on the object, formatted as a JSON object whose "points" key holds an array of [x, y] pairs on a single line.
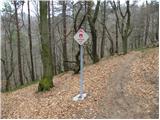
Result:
{"points": [[81, 37]]}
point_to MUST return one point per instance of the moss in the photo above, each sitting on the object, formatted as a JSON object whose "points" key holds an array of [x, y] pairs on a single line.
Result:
{"points": [[45, 84]]}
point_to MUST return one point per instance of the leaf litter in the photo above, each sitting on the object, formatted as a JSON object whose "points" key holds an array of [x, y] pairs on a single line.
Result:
{"points": [[141, 83]]}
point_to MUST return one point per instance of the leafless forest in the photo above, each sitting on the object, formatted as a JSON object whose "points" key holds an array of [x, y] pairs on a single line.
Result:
{"points": [[40, 59], [38, 43]]}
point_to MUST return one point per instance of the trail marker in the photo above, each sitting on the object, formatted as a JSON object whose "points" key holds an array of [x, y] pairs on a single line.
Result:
{"points": [[81, 37]]}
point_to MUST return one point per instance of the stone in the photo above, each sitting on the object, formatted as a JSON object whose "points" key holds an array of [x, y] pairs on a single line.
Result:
{"points": [[79, 98]]}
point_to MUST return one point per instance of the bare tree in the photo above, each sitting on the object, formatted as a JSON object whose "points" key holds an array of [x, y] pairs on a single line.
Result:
{"points": [[146, 29], [116, 50], [123, 23], [46, 83], [18, 45], [103, 31], [50, 35], [53, 40], [30, 43], [92, 21], [64, 37]]}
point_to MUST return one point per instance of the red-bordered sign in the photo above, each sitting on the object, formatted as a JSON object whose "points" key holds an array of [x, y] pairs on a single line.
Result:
{"points": [[81, 36]]}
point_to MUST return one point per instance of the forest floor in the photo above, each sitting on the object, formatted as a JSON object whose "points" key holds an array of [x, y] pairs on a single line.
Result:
{"points": [[123, 86]]}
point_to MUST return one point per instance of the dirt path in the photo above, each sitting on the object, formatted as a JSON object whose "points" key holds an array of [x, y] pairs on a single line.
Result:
{"points": [[115, 103], [118, 103]]}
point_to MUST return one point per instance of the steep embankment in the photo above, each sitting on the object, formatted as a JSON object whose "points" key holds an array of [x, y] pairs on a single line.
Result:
{"points": [[120, 87]]}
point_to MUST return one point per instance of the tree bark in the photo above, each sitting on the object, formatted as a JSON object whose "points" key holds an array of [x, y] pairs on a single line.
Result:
{"points": [[46, 83], [123, 27], [7, 61], [64, 37], [146, 25], [103, 32], [50, 36], [18, 46], [53, 42], [5, 64], [116, 50], [30, 43], [92, 21]]}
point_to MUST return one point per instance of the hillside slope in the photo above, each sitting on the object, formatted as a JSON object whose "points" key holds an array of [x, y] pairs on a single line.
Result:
{"points": [[120, 87]]}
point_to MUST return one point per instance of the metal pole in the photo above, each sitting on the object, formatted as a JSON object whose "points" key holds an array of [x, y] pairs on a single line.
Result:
{"points": [[81, 71]]}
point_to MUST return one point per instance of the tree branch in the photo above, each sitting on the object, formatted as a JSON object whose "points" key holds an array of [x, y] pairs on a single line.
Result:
{"points": [[75, 20], [96, 11]]}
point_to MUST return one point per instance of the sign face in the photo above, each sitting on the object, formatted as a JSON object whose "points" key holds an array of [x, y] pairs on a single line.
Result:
{"points": [[81, 36]]}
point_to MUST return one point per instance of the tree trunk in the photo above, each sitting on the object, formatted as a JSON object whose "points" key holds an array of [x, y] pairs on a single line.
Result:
{"points": [[30, 44], [5, 64], [116, 50], [49, 30], [111, 50], [92, 21], [123, 27], [124, 45], [18, 46], [146, 25], [103, 32], [11, 58], [7, 61], [157, 29], [53, 41], [64, 38], [94, 46], [46, 83]]}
